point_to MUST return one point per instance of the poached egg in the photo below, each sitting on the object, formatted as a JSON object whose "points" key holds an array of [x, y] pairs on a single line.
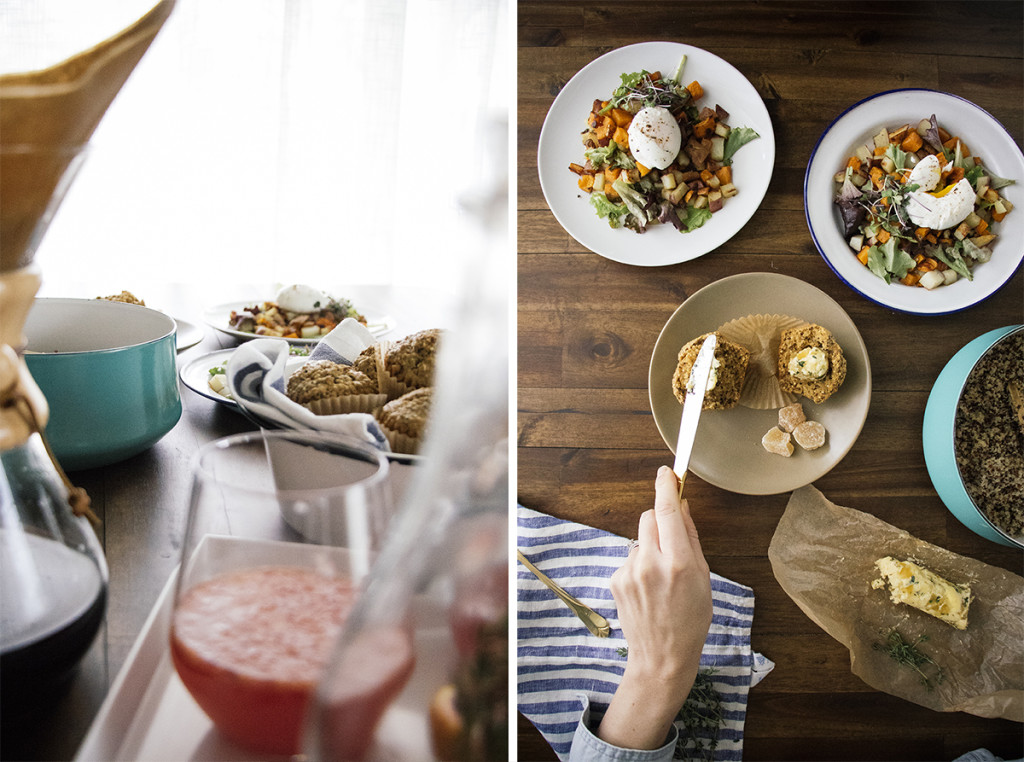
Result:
{"points": [[654, 137], [300, 298], [926, 174], [945, 209]]}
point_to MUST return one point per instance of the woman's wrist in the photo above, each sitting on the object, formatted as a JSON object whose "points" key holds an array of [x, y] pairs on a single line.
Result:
{"points": [[643, 708]]}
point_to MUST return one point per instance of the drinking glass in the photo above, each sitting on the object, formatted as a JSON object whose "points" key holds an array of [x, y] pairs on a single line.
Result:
{"points": [[282, 528]]}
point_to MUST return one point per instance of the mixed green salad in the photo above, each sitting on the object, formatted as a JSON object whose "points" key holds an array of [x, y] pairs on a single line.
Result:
{"points": [[653, 155]]}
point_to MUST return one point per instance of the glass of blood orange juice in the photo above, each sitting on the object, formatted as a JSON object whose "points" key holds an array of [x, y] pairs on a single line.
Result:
{"points": [[283, 527]]}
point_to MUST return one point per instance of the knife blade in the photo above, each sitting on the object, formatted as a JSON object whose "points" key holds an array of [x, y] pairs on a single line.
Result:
{"points": [[693, 404]]}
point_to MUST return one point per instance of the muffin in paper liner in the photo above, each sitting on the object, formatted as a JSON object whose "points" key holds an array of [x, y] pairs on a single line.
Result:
{"points": [[409, 363], [404, 420], [351, 403], [329, 388], [371, 362], [760, 335]]}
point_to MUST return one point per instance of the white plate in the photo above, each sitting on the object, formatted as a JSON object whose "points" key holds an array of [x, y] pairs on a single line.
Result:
{"points": [[188, 334], [727, 451], [984, 136], [149, 715], [560, 145], [196, 375], [217, 317]]}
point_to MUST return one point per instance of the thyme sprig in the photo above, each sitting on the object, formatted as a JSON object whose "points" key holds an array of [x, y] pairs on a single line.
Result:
{"points": [[906, 652], [701, 716]]}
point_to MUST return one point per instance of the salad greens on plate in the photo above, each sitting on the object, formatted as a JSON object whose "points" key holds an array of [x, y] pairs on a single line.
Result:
{"points": [[917, 208], [653, 155]]}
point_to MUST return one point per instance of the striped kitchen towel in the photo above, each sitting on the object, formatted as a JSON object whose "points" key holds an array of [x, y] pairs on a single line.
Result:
{"points": [[559, 661], [257, 377]]}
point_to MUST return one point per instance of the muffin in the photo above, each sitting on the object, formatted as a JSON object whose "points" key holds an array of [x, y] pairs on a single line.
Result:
{"points": [[370, 361], [127, 297], [811, 363], [409, 363], [330, 388], [727, 373], [404, 420]]}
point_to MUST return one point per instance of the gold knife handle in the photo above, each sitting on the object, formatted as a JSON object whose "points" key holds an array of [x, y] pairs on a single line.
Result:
{"points": [[682, 479], [596, 623]]}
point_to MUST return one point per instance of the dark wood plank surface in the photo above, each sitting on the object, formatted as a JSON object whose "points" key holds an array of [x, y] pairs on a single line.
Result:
{"points": [[588, 446]]}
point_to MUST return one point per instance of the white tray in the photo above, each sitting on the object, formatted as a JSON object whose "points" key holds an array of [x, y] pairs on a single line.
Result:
{"points": [[149, 715]]}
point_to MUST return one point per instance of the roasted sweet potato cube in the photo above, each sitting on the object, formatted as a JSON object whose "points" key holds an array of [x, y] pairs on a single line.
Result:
{"points": [[621, 117], [702, 128], [897, 135], [912, 142], [621, 137], [695, 90]]}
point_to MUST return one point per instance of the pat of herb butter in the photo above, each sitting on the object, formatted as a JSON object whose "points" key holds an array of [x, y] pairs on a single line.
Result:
{"points": [[810, 363], [712, 377], [916, 586]]}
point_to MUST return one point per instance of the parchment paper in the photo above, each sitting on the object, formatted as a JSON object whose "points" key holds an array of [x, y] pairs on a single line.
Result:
{"points": [[823, 556]]}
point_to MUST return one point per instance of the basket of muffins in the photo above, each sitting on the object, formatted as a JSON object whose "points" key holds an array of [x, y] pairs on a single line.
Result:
{"points": [[770, 362], [393, 381]]}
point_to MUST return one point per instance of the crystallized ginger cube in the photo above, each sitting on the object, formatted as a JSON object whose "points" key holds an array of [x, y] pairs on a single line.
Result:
{"points": [[810, 435], [791, 416], [777, 441]]}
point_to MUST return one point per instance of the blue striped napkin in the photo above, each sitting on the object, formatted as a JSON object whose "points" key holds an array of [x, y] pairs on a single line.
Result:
{"points": [[559, 661], [257, 377]]}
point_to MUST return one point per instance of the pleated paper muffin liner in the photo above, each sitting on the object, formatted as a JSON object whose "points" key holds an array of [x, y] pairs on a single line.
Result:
{"points": [[402, 443], [761, 335], [349, 403]]}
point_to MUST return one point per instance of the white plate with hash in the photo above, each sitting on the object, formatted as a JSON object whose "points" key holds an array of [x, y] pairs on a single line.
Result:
{"points": [[661, 244], [984, 137], [218, 317]]}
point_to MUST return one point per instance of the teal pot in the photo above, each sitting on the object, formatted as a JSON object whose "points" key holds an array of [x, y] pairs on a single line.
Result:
{"points": [[938, 433], [108, 372]]}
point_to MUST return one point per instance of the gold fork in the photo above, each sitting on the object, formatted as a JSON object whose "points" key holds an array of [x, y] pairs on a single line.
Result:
{"points": [[596, 623]]}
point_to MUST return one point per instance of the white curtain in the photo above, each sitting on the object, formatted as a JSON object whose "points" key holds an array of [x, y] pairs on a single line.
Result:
{"points": [[265, 142]]}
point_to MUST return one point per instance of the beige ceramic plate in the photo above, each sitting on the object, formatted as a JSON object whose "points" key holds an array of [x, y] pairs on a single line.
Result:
{"points": [[728, 451]]}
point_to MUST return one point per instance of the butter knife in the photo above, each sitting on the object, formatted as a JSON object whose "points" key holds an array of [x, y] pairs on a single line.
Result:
{"points": [[596, 623], [693, 404]]}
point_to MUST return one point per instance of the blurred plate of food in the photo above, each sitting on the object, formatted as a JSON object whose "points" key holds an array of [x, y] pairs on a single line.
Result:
{"points": [[299, 314], [718, 84], [205, 375], [748, 445], [883, 213]]}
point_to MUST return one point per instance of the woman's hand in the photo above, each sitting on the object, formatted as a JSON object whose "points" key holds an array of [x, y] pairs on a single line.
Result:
{"points": [[663, 595]]}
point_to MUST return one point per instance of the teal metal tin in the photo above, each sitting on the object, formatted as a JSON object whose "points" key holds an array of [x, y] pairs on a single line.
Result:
{"points": [[938, 434]]}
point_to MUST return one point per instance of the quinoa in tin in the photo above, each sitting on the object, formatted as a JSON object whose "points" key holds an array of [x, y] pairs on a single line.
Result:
{"points": [[987, 442]]}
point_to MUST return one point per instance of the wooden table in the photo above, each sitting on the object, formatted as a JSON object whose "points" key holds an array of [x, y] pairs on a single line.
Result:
{"points": [[143, 503], [588, 446]]}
